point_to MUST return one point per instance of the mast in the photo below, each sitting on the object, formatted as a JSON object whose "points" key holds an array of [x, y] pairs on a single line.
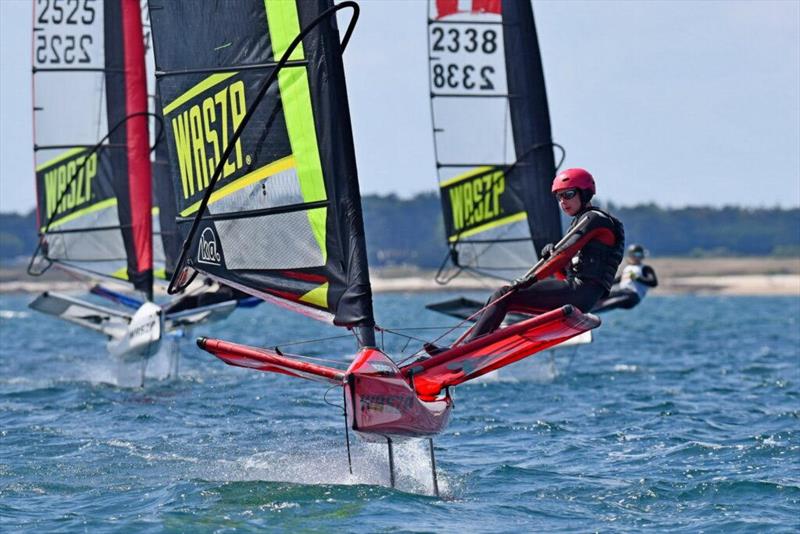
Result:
{"points": [[126, 92], [530, 121], [166, 243]]}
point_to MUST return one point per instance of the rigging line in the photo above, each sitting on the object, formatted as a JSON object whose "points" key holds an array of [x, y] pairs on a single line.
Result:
{"points": [[442, 279], [530, 272], [316, 359], [315, 340], [329, 403], [563, 155], [401, 335], [94, 149], [499, 240], [353, 331], [71, 182], [393, 330], [179, 278]]}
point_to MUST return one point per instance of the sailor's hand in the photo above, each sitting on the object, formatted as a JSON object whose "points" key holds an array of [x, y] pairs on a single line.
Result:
{"points": [[523, 283], [547, 251], [503, 291]]}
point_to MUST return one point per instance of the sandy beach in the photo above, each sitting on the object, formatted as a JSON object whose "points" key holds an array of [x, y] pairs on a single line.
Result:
{"points": [[706, 276]]}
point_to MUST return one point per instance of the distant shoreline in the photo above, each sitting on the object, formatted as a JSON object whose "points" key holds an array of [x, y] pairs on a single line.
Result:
{"points": [[677, 276]]}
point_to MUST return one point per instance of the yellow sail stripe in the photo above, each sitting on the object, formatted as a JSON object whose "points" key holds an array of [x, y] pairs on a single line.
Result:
{"points": [[250, 178], [61, 157], [284, 25], [317, 296], [200, 88], [122, 273], [521, 216], [469, 174], [80, 213]]}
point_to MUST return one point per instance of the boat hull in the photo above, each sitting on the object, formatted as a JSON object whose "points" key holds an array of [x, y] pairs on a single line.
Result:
{"points": [[381, 404]]}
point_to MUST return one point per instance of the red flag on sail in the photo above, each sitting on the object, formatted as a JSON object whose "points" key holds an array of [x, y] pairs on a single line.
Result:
{"points": [[445, 8]]}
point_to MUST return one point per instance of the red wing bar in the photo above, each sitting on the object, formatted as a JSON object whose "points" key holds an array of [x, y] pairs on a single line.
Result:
{"points": [[270, 361], [495, 350]]}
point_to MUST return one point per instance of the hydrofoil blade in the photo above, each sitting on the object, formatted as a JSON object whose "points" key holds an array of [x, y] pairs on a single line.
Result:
{"points": [[108, 321]]}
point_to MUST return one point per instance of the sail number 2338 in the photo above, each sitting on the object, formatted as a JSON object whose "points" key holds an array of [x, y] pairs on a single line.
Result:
{"points": [[464, 58]]}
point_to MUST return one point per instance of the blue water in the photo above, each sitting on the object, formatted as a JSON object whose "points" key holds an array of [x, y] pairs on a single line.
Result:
{"points": [[683, 415]]}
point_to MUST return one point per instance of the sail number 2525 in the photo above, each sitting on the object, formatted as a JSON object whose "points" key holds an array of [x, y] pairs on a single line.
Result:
{"points": [[61, 29]]}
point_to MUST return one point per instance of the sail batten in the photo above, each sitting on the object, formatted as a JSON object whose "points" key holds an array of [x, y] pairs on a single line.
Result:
{"points": [[492, 137]]}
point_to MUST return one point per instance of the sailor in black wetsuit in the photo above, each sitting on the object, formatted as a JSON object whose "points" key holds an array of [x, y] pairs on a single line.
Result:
{"points": [[584, 262], [631, 286]]}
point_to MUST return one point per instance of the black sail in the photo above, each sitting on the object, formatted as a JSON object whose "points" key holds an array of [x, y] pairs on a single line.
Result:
{"points": [[492, 135], [166, 241], [283, 221]]}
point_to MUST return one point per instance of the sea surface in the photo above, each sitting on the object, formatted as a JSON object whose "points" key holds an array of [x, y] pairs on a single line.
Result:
{"points": [[683, 415]]}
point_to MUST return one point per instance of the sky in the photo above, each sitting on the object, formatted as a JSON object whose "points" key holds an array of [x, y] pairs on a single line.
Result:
{"points": [[677, 103]]}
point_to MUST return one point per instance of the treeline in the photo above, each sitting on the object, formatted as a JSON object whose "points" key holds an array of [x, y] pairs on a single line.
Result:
{"points": [[411, 231], [17, 235]]}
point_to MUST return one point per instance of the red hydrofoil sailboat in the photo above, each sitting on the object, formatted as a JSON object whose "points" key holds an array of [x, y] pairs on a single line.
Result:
{"points": [[263, 166]]}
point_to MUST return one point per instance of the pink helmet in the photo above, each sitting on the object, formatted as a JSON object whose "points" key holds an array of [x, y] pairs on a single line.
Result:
{"points": [[574, 178]]}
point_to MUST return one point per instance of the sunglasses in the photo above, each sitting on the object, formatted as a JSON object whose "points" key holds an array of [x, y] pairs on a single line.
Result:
{"points": [[569, 194]]}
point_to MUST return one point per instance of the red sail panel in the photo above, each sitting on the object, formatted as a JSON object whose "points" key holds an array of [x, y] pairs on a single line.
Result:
{"points": [[139, 169], [451, 7], [501, 348]]}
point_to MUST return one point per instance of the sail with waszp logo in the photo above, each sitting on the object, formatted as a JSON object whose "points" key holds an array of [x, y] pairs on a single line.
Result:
{"points": [[491, 127], [283, 220]]}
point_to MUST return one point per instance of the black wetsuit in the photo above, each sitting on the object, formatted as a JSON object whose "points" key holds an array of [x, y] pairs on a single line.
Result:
{"points": [[627, 297], [586, 259]]}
